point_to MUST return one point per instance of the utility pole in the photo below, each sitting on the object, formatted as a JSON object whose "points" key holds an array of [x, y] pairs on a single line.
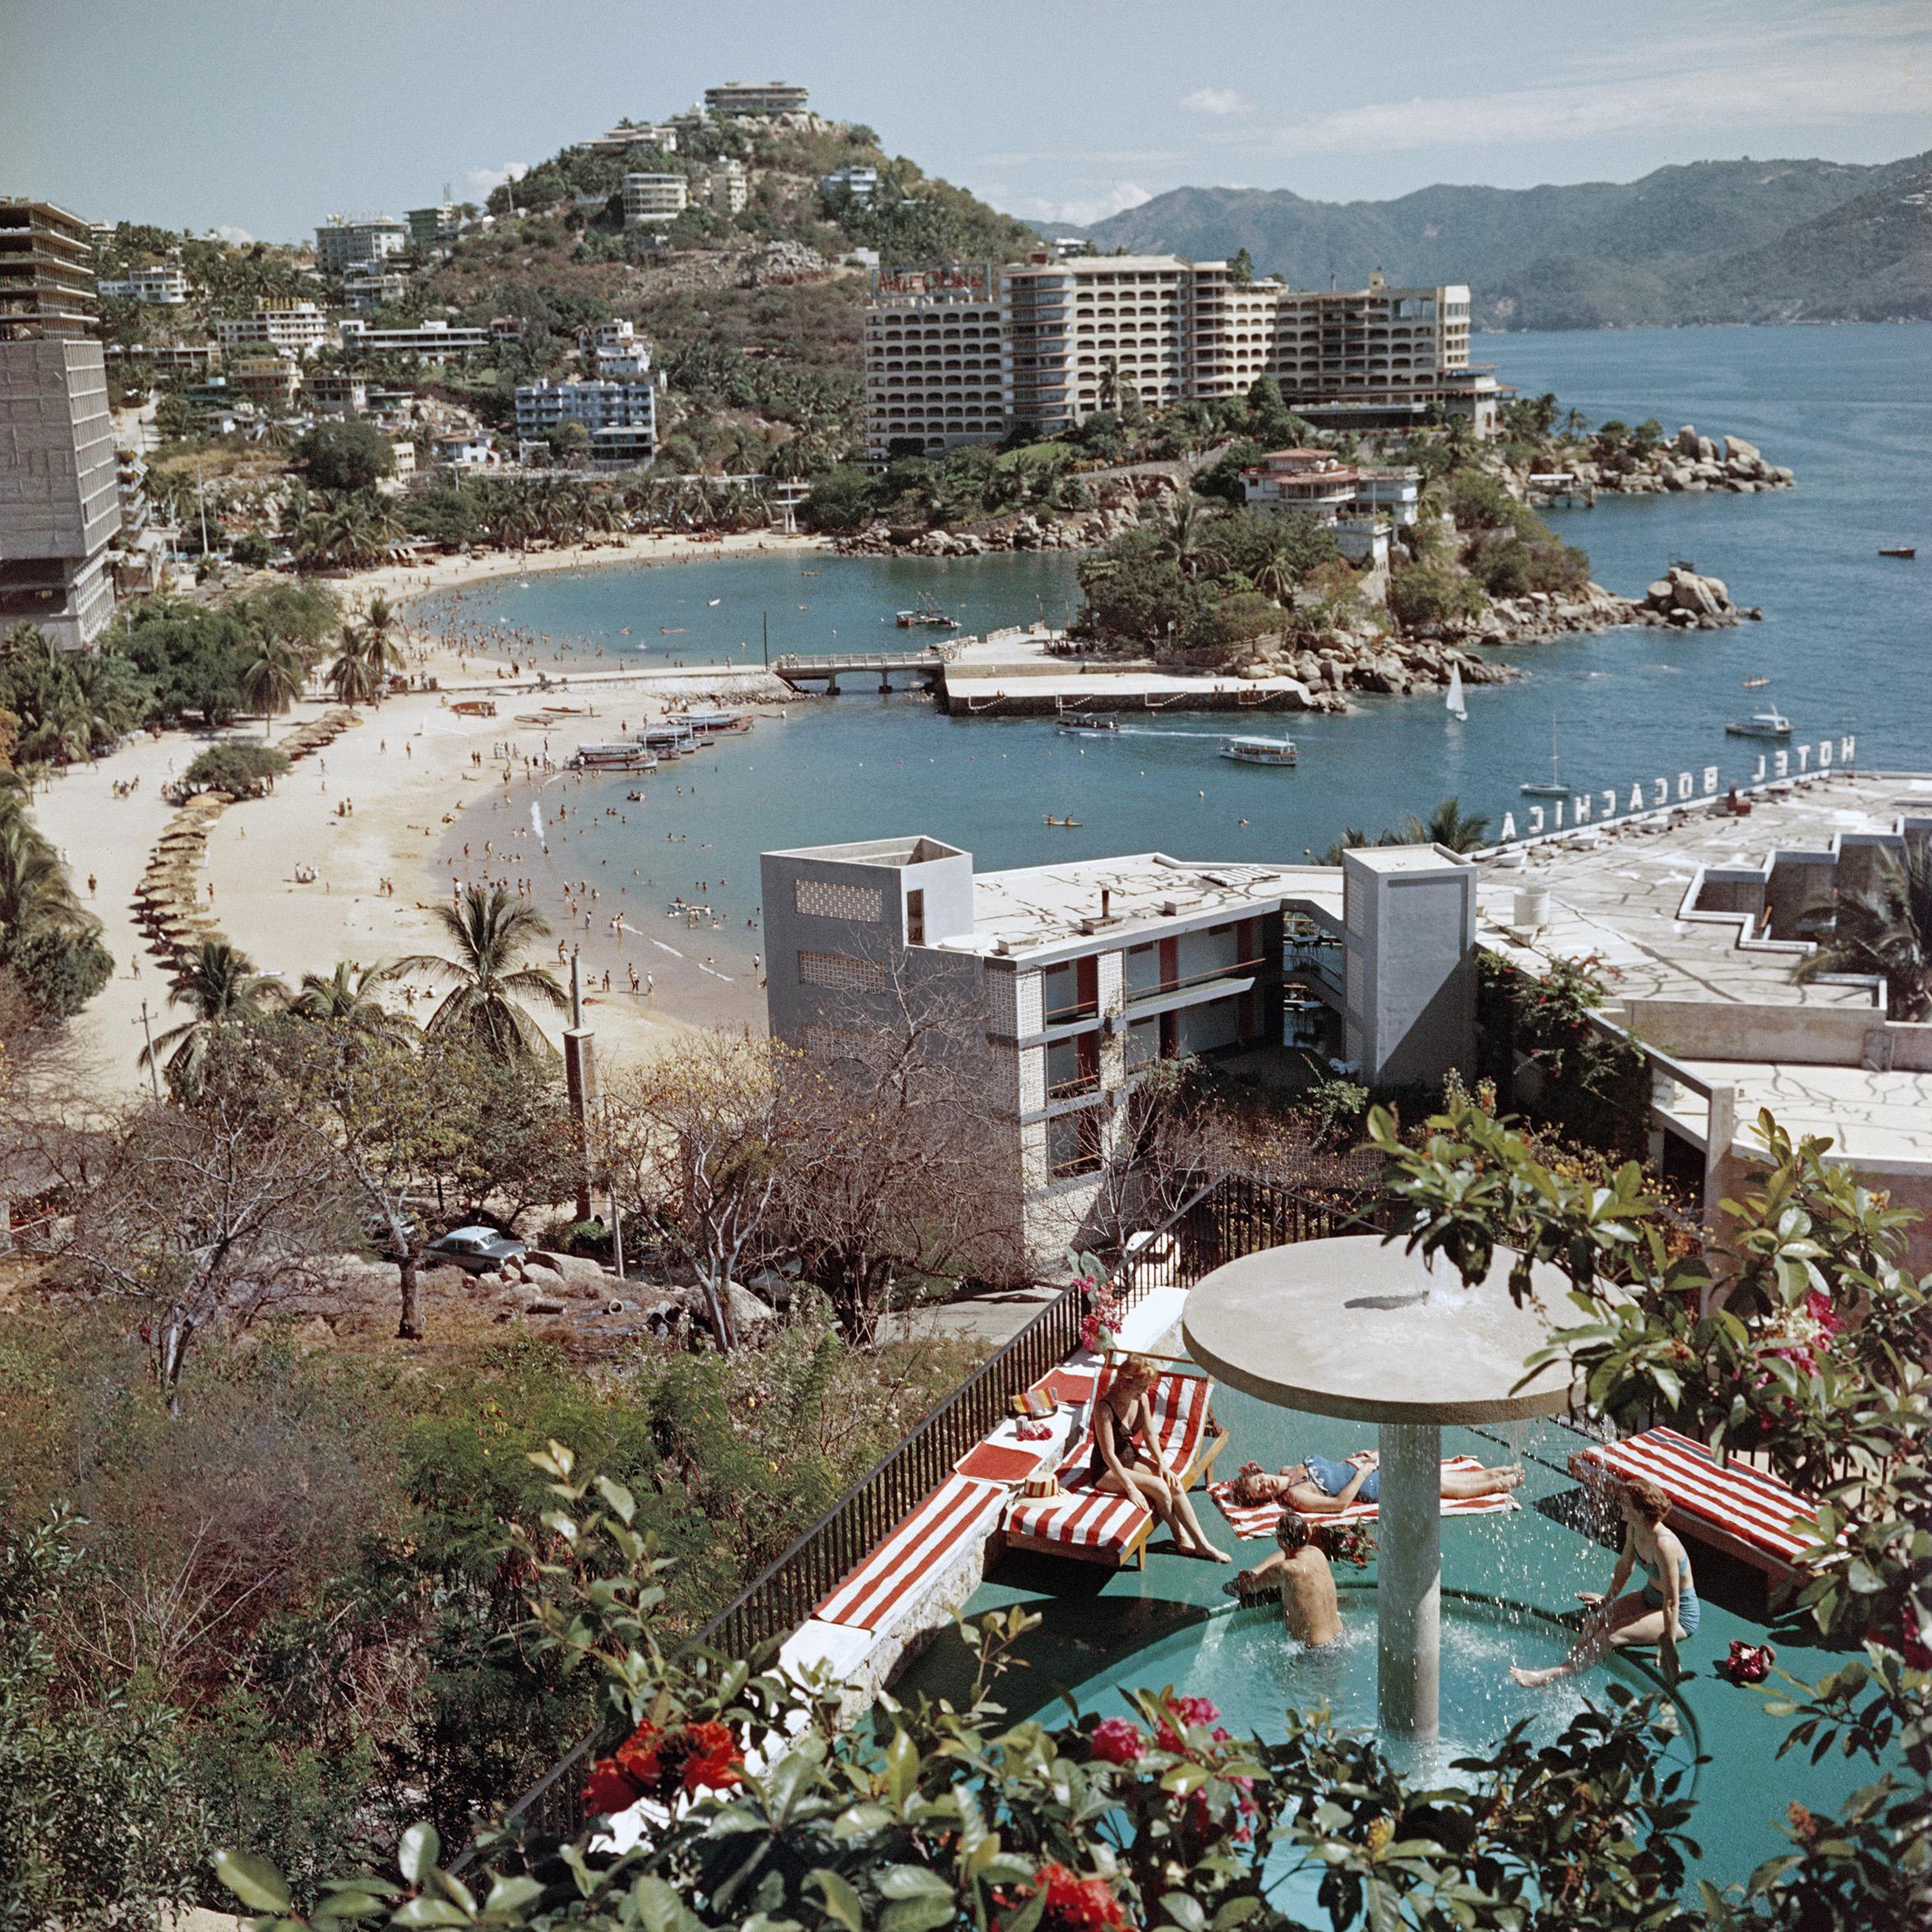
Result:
{"points": [[147, 1034], [580, 1075], [766, 617]]}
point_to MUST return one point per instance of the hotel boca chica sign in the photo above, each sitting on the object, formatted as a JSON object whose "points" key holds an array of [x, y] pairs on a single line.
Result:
{"points": [[1684, 787]]}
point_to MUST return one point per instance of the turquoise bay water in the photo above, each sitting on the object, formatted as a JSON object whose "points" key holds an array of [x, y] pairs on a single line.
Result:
{"points": [[1844, 640]]}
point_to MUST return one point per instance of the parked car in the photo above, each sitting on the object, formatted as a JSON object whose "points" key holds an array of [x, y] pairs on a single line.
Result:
{"points": [[477, 1249]]}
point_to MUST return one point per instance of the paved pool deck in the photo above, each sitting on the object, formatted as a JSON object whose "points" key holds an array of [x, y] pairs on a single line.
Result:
{"points": [[1098, 1622]]}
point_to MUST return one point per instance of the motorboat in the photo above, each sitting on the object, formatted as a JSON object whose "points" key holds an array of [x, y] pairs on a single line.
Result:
{"points": [[1259, 750], [622, 755], [924, 614], [1906, 550], [1089, 721], [711, 724], [1761, 724]]}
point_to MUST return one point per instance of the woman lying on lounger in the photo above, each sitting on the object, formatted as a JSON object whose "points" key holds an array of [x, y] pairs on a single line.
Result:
{"points": [[1665, 1612], [1318, 1486], [1127, 1458]]}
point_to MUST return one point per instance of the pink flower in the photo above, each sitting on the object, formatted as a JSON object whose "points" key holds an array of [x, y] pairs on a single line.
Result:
{"points": [[1116, 1741]]}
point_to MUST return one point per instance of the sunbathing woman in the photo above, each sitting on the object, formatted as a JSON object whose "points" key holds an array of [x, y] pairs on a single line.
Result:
{"points": [[1318, 1486], [1127, 1458], [1665, 1612]]}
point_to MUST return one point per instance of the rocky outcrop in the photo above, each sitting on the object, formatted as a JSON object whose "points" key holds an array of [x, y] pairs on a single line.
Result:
{"points": [[1378, 662], [1689, 463], [1080, 530], [1684, 601], [1538, 614]]}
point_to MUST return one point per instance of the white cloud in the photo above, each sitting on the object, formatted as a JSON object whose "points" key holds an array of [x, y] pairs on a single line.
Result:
{"points": [[1104, 199], [1220, 101], [1838, 67], [483, 179], [236, 238]]}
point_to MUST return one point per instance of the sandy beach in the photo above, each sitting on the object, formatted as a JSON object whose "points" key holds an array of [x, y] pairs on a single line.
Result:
{"points": [[407, 772]]}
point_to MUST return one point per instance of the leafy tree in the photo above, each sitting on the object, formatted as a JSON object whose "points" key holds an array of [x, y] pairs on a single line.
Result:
{"points": [[218, 984], [491, 930], [1432, 595], [1883, 927], [841, 499], [344, 456], [245, 769]]}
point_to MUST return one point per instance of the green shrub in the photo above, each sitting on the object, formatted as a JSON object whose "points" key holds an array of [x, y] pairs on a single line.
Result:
{"points": [[236, 766], [60, 969]]}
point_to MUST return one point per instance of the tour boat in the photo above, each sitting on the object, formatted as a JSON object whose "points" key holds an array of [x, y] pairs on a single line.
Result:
{"points": [[623, 755], [1898, 550], [1067, 823], [1762, 724], [1757, 683], [669, 740], [712, 724], [1259, 750], [927, 615], [1089, 721]]}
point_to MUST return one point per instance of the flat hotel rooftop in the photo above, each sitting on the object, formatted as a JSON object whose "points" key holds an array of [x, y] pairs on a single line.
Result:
{"points": [[1623, 890], [1036, 907]]}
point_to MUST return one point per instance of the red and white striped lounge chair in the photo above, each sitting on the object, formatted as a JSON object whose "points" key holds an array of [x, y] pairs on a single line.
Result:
{"points": [[916, 1549], [1251, 1520], [1095, 1526], [1735, 1508]]}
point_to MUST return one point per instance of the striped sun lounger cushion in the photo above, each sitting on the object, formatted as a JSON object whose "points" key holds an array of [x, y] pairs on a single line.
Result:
{"points": [[1259, 1519], [916, 1547], [1754, 1507], [1091, 1519]]}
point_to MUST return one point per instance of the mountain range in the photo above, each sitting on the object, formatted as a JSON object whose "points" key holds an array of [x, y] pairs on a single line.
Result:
{"points": [[1739, 241]]}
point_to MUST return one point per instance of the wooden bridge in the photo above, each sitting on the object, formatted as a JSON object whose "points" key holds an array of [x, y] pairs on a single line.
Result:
{"points": [[922, 668]]}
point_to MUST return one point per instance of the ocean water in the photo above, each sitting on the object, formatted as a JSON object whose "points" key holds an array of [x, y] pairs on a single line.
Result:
{"points": [[1845, 640]]}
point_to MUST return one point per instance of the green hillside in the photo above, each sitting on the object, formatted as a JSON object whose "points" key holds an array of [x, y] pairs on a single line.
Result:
{"points": [[1717, 240]]}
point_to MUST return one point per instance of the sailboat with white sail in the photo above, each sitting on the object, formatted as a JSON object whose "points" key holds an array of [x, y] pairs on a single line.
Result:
{"points": [[1457, 704]]}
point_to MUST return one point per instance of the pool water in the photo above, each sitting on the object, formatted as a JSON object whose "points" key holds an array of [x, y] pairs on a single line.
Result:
{"points": [[1244, 1661]]}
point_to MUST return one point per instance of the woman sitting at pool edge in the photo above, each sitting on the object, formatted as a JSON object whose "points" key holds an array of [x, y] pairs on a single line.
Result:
{"points": [[1665, 1612], [1127, 1458], [1318, 1485]]}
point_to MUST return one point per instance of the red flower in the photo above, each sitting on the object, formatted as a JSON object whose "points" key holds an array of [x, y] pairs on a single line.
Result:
{"points": [[1191, 1711], [607, 1790], [1116, 1741], [711, 1760], [637, 1757], [1074, 1904]]}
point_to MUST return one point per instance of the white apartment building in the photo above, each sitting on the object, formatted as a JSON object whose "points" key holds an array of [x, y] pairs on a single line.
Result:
{"points": [[345, 242], [165, 286], [430, 227], [1079, 976], [622, 417], [428, 342], [935, 373], [165, 355], [613, 347], [1081, 334], [725, 186], [1359, 505], [289, 327], [739, 98], [660, 136], [652, 198], [861, 183]]}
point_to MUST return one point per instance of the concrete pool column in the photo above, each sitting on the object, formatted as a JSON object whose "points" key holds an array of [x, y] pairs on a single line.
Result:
{"points": [[1408, 1590], [1361, 1331]]}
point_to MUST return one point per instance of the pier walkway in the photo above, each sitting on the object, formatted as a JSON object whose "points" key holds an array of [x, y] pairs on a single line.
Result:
{"points": [[923, 668]]}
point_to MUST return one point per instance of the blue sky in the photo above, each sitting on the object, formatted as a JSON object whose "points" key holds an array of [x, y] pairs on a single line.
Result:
{"points": [[262, 116]]}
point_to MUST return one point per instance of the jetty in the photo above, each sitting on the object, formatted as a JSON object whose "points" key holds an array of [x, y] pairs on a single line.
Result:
{"points": [[1032, 674], [921, 670]]}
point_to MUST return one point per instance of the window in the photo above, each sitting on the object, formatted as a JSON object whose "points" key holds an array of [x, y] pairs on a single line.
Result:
{"points": [[916, 917], [1073, 1144], [841, 973], [1071, 991], [828, 899]]}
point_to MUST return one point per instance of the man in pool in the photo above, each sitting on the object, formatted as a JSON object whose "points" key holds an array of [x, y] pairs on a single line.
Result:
{"points": [[1318, 1485], [1310, 1606]]}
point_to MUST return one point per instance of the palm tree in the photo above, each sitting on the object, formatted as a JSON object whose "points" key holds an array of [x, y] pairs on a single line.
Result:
{"points": [[34, 889], [1182, 530], [1450, 825], [273, 677], [351, 677], [490, 929], [351, 999], [218, 985], [1883, 927]]}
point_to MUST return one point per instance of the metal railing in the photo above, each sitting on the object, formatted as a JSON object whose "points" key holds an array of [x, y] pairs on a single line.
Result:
{"points": [[1222, 1218], [1206, 977]]}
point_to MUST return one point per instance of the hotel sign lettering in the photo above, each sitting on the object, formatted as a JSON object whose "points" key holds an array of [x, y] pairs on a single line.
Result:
{"points": [[1594, 807], [972, 281]]}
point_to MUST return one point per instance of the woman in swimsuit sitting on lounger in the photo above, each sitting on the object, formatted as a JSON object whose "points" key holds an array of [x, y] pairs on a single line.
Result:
{"points": [[1319, 1486], [1665, 1612], [1127, 1458]]}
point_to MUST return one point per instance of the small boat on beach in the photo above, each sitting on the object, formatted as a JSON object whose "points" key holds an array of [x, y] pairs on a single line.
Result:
{"points": [[1761, 724], [1089, 721], [1898, 550], [622, 755], [711, 725], [1259, 750]]}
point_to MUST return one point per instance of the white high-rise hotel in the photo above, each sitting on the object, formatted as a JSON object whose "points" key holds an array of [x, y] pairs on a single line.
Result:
{"points": [[961, 353]]}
